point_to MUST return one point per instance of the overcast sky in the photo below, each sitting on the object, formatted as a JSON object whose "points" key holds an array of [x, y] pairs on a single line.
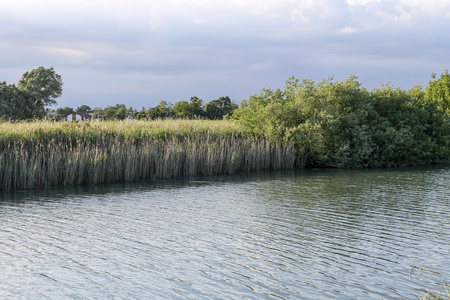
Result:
{"points": [[138, 52]]}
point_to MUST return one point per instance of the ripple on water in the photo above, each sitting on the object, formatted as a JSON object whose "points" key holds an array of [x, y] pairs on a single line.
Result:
{"points": [[307, 234]]}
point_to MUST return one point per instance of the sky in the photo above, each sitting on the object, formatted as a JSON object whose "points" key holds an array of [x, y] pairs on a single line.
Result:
{"points": [[138, 52]]}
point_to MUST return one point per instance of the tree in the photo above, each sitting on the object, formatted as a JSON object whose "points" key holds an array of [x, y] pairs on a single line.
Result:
{"points": [[131, 112], [181, 109], [151, 114], [42, 86], [195, 107], [83, 108], [121, 113], [163, 110], [27, 99], [14, 104], [218, 109], [141, 115], [110, 113], [64, 112], [439, 90]]}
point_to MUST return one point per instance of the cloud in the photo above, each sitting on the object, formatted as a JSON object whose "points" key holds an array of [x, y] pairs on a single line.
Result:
{"points": [[167, 49]]}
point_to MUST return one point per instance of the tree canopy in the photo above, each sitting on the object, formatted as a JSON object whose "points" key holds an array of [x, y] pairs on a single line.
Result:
{"points": [[439, 90], [83, 107], [14, 103], [36, 89]]}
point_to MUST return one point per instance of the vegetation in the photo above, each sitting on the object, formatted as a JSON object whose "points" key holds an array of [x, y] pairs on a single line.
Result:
{"points": [[439, 91], [62, 112], [341, 124], [442, 292], [42, 153], [325, 124], [194, 109], [26, 100], [213, 110]]}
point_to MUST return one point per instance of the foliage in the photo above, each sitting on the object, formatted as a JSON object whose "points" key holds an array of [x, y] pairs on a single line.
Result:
{"points": [[121, 113], [220, 108], [162, 110], [34, 90], [84, 107], [43, 86], [181, 109], [439, 90], [63, 112], [341, 124], [194, 109], [14, 104], [110, 113]]}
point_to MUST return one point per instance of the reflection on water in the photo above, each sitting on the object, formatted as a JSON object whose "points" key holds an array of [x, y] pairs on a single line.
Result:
{"points": [[328, 234]]}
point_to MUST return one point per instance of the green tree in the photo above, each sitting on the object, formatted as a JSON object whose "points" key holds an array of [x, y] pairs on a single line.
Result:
{"points": [[96, 114], [121, 113], [43, 86], [151, 114], [83, 108], [63, 112], [182, 109], [195, 107], [163, 109], [218, 109], [14, 104], [439, 90], [141, 115], [27, 99], [110, 113], [131, 112]]}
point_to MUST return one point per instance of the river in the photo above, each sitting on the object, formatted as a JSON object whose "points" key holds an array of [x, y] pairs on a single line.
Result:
{"points": [[303, 234]]}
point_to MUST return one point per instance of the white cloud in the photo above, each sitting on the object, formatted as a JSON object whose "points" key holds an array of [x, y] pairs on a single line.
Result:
{"points": [[349, 29], [152, 46], [388, 11]]}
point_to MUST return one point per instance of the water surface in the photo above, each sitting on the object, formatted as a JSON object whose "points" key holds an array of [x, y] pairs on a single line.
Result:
{"points": [[306, 234]]}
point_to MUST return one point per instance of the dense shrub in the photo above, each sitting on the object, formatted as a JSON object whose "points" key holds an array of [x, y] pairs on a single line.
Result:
{"points": [[341, 124]]}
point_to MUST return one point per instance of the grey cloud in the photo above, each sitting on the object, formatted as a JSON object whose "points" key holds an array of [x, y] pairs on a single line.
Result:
{"points": [[233, 53]]}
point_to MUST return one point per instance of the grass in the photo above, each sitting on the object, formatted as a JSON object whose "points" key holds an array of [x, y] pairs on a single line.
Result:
{"points": [[41, 153], [442, 291]]}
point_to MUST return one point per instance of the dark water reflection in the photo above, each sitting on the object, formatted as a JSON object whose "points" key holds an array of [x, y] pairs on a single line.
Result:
{"points": [[308, 234]]}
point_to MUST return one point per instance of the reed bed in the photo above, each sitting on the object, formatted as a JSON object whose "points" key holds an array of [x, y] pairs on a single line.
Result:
{"points": [[42, 154]]}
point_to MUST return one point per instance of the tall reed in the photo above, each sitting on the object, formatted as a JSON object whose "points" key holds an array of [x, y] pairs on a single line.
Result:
{"points": [[41, 154]]}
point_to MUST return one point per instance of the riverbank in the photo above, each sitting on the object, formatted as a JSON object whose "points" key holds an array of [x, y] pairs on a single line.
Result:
{"points": [[42, 154]]}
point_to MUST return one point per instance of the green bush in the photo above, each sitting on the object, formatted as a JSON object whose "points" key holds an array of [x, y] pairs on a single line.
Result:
{"points": [[341, 124]]}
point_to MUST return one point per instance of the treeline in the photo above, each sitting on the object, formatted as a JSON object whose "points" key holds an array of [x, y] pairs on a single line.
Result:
{"points": [[41, 87], [214, 110], [217, 109], [340, 124]]}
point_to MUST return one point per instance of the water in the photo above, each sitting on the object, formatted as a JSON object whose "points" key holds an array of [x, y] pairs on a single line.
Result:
{"points": [[314, 234]]}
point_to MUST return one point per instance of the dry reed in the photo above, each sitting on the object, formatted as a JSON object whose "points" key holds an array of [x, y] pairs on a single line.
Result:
{"points": [[41, 154]]}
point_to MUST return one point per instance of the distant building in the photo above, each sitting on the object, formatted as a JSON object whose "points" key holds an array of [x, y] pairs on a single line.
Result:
{"points": [[79, 116], [101, 113]]}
